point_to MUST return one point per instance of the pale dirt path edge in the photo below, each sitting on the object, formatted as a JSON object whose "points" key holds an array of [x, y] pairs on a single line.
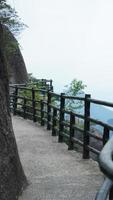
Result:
{"points": [[53, 172]]}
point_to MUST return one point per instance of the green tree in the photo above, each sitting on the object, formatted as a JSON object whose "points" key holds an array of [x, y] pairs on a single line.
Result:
{"points": [[10, 21], [10, 18], [75, 88], [31, 78], [11, 26]]}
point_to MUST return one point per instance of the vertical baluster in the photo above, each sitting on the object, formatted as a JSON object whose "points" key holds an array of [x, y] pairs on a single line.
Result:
{"points": [[42, 113], [111, 194], [49, 111], [33, 105], [61, 126], [24, 107], [54, 124], [105, 135], [72, 122], [51, 86], [86, 127]]}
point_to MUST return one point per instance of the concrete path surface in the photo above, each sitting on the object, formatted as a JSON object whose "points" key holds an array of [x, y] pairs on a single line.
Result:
{"points": [[53, 172]]}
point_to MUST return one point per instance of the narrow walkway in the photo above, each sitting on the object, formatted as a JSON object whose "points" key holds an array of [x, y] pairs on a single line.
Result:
{"points": [[54, 173]]}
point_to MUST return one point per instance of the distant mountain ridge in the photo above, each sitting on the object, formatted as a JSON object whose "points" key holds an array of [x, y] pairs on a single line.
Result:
{"points": [[102, 113]]}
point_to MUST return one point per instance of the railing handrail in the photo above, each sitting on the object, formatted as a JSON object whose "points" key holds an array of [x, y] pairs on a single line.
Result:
{"points": [[106, 159], [91, 100], [90, 119], [106, 166], [100, 102], [104, 190], [29, 89], [43, 82], [82, 116]]}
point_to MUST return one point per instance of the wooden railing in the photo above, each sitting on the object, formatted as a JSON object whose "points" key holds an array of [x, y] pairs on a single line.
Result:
{"points": [[43, 83], [106, 166], [49, 109]]}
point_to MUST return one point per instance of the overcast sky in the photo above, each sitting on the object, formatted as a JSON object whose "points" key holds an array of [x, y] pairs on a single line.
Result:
{"points": [[69, 39]]}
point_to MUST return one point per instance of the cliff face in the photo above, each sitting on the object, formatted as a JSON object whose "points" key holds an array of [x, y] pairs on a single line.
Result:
{"points": [[12, 177], [15, 62]]}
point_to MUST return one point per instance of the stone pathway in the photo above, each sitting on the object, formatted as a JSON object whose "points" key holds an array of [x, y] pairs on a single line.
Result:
{"points": [[53, 172]]}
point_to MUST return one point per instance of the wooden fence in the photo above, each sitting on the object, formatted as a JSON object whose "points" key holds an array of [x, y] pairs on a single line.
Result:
{"points": [[49, 109], [43, 83]]}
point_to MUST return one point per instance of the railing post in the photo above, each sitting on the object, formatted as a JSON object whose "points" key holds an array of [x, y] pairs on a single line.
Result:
{"points": [[111, 194], [42, 113], [51, 85], [33, 105], [72, 122], [105, 135], [24, 107], [15, 100], [61, 126], [54, 122], [49, 111], [86, 127]]}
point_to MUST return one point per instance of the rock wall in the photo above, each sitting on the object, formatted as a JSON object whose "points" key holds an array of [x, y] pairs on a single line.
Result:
{"points": [[12, 177], [15, 62]]}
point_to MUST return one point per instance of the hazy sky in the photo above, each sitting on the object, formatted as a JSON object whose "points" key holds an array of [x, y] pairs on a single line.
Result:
{"points": [[69, 39]]}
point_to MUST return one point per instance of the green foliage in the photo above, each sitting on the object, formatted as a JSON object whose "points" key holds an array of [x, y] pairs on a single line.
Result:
{"points": [[11, 24], [33, 82], [10, 18], [28, 94], [76, 88], [31, 79], [39, 94]]}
